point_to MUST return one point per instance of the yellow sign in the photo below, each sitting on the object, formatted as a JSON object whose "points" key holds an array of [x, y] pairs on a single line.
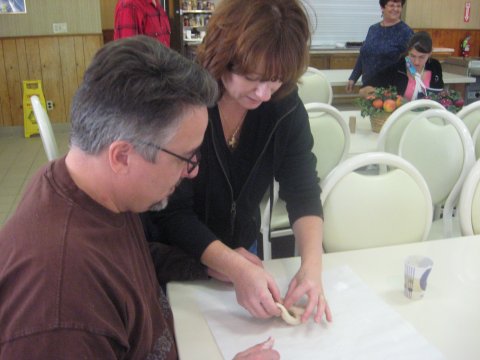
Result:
{"points": [[30, 88]]}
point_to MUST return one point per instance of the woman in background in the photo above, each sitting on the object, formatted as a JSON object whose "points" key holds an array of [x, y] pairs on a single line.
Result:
{"points": [[414, 75], [384, 44], [258, 131]]}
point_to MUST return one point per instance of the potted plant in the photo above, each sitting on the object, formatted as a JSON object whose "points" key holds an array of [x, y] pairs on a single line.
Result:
{"points": [[379, 104], [450, 99]]}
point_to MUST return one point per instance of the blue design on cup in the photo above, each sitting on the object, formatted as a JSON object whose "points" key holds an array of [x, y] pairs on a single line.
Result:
{"points": [[423, 279]]}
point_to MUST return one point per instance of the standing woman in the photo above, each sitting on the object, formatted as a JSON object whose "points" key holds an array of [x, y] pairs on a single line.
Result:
{"points": [[384, 44], [258, 131]]}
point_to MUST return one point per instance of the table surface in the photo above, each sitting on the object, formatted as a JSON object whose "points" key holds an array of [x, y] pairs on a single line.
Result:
{"points": [[448, 315], [363, 139], [339, 77]]}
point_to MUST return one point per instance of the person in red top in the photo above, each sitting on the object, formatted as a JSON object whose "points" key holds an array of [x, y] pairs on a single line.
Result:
{"points": [[141, 17]]}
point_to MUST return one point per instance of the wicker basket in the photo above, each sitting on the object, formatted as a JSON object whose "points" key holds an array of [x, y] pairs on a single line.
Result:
{"points": [[377, 120]]}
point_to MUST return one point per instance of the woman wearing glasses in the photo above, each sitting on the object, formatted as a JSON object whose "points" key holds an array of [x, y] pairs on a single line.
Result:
{"points": [[384, 44], [258, 131]]}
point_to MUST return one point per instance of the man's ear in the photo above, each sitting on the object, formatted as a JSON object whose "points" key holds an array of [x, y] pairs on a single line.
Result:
{"points": [[119, 155]]}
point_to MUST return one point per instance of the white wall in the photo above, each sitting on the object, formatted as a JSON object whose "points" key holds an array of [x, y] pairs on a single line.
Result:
{"points": [[339, 21]]}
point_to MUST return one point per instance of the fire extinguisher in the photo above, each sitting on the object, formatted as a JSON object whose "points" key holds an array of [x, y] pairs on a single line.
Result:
{"points": [[465, 46]]}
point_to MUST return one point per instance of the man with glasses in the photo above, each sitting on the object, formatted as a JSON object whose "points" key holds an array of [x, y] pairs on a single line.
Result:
{"points": [[76, 277]]}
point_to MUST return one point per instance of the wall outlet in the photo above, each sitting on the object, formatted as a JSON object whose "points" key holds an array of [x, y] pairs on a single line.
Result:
{"points": [[49, 105], [59, 28]]}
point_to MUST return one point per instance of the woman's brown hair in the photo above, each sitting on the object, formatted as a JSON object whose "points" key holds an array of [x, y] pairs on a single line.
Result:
{"points": [[241, 35]]}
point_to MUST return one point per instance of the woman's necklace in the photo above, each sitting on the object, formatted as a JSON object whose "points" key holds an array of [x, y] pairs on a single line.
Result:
{"points": [[232, 140]]}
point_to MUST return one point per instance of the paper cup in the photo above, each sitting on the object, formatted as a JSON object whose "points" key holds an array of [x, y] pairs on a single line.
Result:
{"points": [[417, 269]]}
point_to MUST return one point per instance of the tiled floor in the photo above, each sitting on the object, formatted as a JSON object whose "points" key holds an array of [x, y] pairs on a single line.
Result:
{"points": [[20, 158]]}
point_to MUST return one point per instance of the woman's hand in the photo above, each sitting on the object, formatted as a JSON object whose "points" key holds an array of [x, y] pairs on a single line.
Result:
{"points": [[254, 259], [256, 291], [366, 91], [307, 281], [350, 85], [262, 351], [255, 288]]}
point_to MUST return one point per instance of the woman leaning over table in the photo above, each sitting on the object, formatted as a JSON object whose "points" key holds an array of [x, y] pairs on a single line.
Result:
{"points": [[258, 130], [414, 75], [384, 43]]}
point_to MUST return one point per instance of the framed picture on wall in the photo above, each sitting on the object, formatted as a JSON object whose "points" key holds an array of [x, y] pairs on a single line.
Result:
{"points": [[12, 7]]}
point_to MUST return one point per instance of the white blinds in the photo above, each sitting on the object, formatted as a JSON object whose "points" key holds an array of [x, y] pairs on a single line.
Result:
{"points": [[339, 21]]}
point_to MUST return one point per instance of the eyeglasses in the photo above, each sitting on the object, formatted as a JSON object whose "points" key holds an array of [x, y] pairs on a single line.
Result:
{"points": [[191, 164]]}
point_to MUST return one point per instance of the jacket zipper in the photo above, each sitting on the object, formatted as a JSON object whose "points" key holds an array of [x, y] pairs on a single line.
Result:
{"points": [[233, 207]]}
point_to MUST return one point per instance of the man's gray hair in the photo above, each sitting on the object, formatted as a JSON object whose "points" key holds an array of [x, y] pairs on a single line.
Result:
{"points": [[136, 90]]}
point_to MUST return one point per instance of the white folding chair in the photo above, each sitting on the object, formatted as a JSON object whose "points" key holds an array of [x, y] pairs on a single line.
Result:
{"points": [[444, 154], [470, 114], [389, 136], [468, 210], [331, 145], [370, 210], [476, 142], [314, 87], [46, 131]]}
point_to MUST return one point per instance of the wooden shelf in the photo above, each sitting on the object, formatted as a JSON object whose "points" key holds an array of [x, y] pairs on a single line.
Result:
{"points": [[183, 12]]}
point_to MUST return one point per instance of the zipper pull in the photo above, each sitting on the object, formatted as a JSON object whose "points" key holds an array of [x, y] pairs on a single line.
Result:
{"points": [[233, 215]]}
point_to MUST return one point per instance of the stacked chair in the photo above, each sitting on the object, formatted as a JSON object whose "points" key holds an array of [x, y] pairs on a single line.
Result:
{"points": [[439, 145], [468, 211], [45, 127], [367, 210], [392, 130], [470, 115], [314, 87]]}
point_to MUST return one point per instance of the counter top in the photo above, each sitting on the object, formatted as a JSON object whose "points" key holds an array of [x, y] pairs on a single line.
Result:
{"points": [[339, 77], [356, 50]]}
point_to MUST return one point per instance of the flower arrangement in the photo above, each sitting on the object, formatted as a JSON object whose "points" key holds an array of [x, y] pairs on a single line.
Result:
{"points": [[382, 100], [450, 99]]}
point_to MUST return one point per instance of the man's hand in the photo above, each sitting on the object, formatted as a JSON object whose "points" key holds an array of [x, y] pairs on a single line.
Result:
{"points": [[262, 351]]}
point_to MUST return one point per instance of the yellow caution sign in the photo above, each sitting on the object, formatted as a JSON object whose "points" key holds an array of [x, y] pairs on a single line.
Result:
{"points": [[30, 88]]}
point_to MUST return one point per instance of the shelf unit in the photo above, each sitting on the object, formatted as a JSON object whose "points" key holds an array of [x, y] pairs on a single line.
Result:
{"points": [[193, 18]]}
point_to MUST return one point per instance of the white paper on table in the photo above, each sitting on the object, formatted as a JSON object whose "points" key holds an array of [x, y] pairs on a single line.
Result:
{"points": [[364, 327]]}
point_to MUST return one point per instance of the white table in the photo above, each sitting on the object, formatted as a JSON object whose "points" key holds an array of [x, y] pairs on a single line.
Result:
{"points": [[363, 139], [339, 77], [448, 316]]}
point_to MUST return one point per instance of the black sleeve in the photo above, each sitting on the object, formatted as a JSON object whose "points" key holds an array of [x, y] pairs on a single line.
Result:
{"points": [[178, 224], [173, 264], [296, 167], [437, 74]]}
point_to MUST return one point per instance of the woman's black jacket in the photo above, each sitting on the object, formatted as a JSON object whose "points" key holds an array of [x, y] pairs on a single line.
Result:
{"points": [[222, 202]]}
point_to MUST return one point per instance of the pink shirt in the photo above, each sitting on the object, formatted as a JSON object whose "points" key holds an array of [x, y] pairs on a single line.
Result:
{"points": [[426, 77]]}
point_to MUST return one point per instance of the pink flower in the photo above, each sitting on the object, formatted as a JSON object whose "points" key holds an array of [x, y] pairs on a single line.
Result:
{"points": [[446, 102]]}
